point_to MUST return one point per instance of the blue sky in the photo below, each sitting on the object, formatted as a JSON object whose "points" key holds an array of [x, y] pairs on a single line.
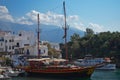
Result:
{"points": [[99, 15]]}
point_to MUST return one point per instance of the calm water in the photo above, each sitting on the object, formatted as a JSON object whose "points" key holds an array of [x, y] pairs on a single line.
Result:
{"points": [[97, 75]]}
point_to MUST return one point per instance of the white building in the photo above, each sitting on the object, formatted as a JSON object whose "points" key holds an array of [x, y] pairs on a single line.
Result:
{"points": [[6, 41], [24, 39], [56, 46], [24, 42], [9, 42], [21, 43], [33, 50]]}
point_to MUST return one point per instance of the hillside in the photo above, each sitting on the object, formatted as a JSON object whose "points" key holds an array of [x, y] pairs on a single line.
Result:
{"points": [[48, 32]]}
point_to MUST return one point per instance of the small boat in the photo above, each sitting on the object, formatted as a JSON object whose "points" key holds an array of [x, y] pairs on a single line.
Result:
{"points": [[13, 73], [88, 60], [3, 75], [108, 65], [100, 63]]}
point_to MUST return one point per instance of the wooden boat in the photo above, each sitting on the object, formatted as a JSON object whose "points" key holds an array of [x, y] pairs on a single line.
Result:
{"points": [[46, 67]]}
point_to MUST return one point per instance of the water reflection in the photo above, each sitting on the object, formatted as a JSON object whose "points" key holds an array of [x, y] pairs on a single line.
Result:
{"points": [[97, 75], [38, 78]]}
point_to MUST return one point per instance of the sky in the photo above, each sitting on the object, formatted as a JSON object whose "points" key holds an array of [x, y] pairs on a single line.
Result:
{"points": [[99, 15]]}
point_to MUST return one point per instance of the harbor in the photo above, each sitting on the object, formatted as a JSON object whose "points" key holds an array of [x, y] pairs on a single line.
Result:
{"points": [[97, 75], [50, 46]]}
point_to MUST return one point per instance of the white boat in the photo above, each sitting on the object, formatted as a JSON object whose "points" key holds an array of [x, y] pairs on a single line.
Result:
{"points": [[100, 63], [108, 66], [3, 75], [89, 61], [13, 73]]}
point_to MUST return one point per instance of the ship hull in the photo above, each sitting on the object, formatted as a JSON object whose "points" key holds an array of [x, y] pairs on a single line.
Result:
{"points": [[78, 73], [60, 75]]}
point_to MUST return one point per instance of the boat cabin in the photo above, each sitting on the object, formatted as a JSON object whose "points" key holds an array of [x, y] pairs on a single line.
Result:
{"points": [[45, 62]]}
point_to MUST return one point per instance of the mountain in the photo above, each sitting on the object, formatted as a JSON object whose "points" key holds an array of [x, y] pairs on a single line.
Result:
{"points": [[47, 32]]}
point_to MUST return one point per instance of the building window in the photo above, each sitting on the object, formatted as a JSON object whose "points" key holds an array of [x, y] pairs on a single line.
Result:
{"points": [[26, 44], [12, 40], [9, 40], [6, 48], [1, 44], [44, 51], [1, 39], [5, 41], [9, 47], [17, 44], [20, 34], [12, 47]]}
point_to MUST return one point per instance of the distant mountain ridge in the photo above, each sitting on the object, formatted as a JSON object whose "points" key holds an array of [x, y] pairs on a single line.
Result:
{"points": [[47, 32]]}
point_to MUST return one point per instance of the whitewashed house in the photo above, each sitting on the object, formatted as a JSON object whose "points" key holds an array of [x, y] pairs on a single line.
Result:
{"points": [[2, 41], [56, 46], [9, 42], [24, 39], [6, 41], [33, 50], [24, 42]]}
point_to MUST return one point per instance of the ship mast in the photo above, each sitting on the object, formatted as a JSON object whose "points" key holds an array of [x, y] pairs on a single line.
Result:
{"points": [[38, 36], [65, 31]]}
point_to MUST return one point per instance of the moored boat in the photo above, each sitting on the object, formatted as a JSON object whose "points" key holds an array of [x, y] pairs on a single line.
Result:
{"points": [[88, 60], [13, 73], [109, 65], [100, 63], [57, 68], [3, 74], [50, 67]]}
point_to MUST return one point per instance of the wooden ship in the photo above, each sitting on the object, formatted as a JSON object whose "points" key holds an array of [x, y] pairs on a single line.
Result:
{"points": [[57, 68]]}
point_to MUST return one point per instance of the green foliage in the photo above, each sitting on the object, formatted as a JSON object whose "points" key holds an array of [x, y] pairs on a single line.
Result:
{"points": [[8, 61], [89, 32], [75, 37], [104, 44], [53, 52]]}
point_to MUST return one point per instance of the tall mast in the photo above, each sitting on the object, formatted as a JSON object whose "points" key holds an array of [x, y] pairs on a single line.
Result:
{"points": [[65, 31], [38, 36]]}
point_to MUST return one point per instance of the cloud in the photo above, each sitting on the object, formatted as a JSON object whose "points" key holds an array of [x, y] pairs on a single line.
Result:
{"points": [[48, 18], [4, 14], [96, 27], [24, 20], [75, 22], [51, 18]]}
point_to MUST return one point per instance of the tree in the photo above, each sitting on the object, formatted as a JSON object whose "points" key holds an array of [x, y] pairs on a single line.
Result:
{"points": [[89, 32], [52, 52], [75, 44], [75, 37]]}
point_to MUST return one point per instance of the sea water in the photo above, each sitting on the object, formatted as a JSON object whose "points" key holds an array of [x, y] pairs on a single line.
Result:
{"points": [[97, 75]]}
